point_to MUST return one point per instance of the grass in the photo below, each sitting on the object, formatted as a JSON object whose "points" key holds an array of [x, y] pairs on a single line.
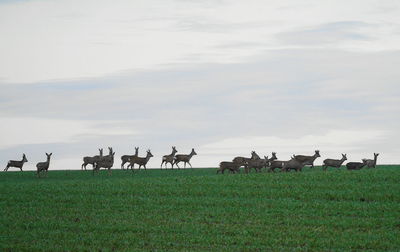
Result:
{"points": [[195, 209]]}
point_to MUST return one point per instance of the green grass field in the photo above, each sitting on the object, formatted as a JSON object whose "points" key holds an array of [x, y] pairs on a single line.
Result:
{"points": [[195, 209]]}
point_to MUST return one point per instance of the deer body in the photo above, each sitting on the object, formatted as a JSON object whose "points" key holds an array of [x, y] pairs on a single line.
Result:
{"points": [[141, 161], [276, 164], [337, 163], [243, 161], [293, 164], [127, 158], [184, 158], [169, 158], [105, 162], [16, 163], [91, 160], [307, 160], [371, 163], [43, 166], [355, 165], [227, 165]]}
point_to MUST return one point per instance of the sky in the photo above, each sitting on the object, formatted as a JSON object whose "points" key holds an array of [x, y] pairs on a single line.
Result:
{"points": [[224, 77]]}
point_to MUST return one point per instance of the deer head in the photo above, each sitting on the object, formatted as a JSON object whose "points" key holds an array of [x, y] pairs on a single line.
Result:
{"points": [[24, 158]]}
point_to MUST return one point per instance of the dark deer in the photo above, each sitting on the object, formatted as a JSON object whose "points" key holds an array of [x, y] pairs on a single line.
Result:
{"points": [[16, 164], [293, 164], [243, 161], [184, 158], [105, 162], [91, 160], [371, 163], [356, 165], [231, 166], [337, 163], [141, 161], [257, 164], [308, 160], [127, 158], [169, 158], [43, 166], [275, 164]]}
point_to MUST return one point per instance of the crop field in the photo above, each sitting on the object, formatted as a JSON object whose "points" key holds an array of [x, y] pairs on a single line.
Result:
{"points": [[195, 209]]}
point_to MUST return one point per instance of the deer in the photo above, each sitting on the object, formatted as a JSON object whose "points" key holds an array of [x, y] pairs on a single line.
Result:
{"points": [[105, 162], [371, 163], [185, 158], [141, 161], [337, 163], [43, 166], [126, 158], [16, 164], [308, 160], [294, 164], [356, 165], [274, 163], [169, 158], [91, 160], [227, 165], [257, 164], [243, 161]]}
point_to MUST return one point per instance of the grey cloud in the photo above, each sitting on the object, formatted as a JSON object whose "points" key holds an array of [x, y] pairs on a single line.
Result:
{"points": [[328, 33]]}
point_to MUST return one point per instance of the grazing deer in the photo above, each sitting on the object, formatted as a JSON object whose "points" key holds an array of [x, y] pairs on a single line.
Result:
{"points": [[293, 164], [43, 166], [356, 165], [371, 163], [308, 160], [184, 158], [141, 161], [16, 164], [91, 160], [337, 163], [169, 158], [231, 166], [105, 162], [127, 158]]}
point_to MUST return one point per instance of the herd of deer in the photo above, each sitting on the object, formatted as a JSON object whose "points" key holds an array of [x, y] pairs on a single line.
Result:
{"points": [[297, 162], [107, 161]]}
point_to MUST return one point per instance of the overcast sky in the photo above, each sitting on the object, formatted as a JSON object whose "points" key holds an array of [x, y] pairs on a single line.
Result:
{"points": [[224, 77]]}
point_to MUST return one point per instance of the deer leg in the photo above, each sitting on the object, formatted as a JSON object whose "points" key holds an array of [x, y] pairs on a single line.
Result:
{"points": [[190, 164]]}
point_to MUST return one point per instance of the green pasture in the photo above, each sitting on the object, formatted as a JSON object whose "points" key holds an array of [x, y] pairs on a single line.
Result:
{"points": [[195, 209]]}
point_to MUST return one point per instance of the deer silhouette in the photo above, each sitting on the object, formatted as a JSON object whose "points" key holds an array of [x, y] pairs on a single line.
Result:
{"points": [[371, 163], [356, 165], [91, 160], [307, 160], [43, 166], [169, 158], [16, 164], [105, 162], [127, 158], [337, 163], [227, 165], [185, 158], [141, 161]]}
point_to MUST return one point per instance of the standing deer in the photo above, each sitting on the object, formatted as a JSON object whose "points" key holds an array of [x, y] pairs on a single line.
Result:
{"points": [[356, 165], [308, 160], [371, 163], [257, 164], [105, 162], [243, 161], [184, 158], [127, 158], [169, 158], [141, 161], [293, 164], [231, 166], [337, 163], [43, 166], [91, 160], [16, 164]]}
